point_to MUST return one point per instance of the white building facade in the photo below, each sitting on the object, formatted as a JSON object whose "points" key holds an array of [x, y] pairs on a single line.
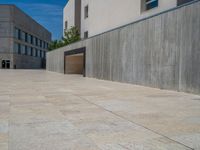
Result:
{"points": [[93, 17]]}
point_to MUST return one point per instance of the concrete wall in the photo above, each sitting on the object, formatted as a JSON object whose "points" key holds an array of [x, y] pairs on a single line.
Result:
{"points": [[27, 62], [161, 52]]}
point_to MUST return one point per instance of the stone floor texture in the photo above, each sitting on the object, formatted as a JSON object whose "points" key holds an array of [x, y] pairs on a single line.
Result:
{"points": [[41, 110]]}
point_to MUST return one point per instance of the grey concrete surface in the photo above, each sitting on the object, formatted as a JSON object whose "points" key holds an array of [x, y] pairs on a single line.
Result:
{"points": [[41, 110], [161, 52]]}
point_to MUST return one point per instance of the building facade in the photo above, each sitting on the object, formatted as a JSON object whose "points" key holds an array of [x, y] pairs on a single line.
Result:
{"points": [[98, 16], [23, 42]]}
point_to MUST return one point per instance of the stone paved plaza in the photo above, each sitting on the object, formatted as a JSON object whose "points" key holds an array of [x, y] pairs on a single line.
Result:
{"points": [[41, 110]]}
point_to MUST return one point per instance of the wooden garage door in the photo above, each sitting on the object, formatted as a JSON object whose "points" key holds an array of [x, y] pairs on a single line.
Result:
{"points": [[74, 64]]}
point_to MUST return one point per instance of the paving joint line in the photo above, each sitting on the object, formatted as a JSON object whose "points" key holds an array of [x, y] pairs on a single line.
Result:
{"points": [[124, 118]]}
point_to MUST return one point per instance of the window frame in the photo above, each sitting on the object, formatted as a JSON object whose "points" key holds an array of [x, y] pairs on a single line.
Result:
{"points": [[145, 3], [86, 11], [86, 34]]}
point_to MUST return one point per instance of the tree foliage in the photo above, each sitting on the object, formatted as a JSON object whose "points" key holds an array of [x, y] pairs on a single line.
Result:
{"points": [[71, 35]]}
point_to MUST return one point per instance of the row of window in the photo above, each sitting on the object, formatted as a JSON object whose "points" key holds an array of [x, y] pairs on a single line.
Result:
{"points": [[25, 37], [150, 4], [29, 51]]}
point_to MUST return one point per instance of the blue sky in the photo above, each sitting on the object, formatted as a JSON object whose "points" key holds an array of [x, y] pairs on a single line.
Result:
{"points": [[48, 13]]}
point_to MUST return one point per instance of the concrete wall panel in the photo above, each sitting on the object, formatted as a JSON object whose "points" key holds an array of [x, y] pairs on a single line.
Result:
{"points": [[161, 52]]}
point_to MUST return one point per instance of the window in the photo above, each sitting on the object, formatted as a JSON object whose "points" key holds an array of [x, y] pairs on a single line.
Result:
{"points": [[40, 53], [181, 2], [31, 51], [149, 4], [43, 44], [23, 50], [17, 34], [46, 45], [34, 52], [40, 43], [66, 25], [86, 35], [26, 50], [15, 48], [19, 49], [23, 36], [86, 11], [36, 41], [26, 37], [29, 38], [44, 54]]}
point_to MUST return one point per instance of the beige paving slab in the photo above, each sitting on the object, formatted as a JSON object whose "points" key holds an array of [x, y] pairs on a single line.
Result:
{"points": [[41, 110], [48, 136]]}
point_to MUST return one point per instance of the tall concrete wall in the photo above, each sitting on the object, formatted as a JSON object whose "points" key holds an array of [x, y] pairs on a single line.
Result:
{"points": [[161, 52]]}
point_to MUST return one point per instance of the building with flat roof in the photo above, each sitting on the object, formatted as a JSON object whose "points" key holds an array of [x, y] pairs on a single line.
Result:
{"points": [[93, 17], [23, 42]]}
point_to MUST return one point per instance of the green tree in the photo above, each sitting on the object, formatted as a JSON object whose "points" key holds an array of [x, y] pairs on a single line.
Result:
{"points": [[71, 35]]}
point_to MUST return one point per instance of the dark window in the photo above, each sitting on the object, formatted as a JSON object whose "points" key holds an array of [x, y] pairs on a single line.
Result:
{"points": [[19, 49], [86, 11], [19, 34], [44, 54], [86, 35], [40, 43], [36, 41], [31, 39], [15, 48], [40, 53], [181, 2], [43, 44], [26, 37], [26, 50], [36, 52], [23, 49], [31, 51], [66, 25], [23, 36], [150, 4]]}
